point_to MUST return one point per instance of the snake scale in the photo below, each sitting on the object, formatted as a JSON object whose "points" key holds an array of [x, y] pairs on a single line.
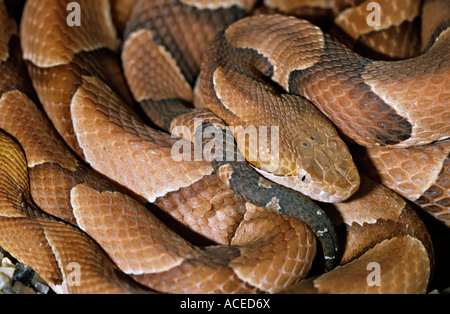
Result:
{"points": [[90, 116]]}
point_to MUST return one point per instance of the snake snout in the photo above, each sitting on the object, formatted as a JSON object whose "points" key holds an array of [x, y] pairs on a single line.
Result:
{"points": [[326, 171]]}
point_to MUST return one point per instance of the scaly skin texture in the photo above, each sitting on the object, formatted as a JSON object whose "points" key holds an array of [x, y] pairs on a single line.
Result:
{"points": [[99, 208], [135, 240], [263, 236], [312, 158], [397, 36], [121, 11], [420, 174], [170, 95], [372, 113], [408, 272], [373, 214], [174, 70], [44, 246], [378, 228], [375, 103]]}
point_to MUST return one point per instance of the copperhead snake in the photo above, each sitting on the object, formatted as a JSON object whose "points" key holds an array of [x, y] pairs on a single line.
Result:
{"points": [[80, 180]]}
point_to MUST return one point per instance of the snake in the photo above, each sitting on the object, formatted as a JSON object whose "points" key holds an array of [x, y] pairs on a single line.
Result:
{"points": [[94, 166]]}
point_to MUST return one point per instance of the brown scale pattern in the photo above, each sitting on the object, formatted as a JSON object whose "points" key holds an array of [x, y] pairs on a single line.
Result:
{"points": [[137, 241], [407, 273], [13, 70], [257, 259], [51, 183], [253, 239], [335, 85], [9, 27], [270, 43], [375, 213], [360, 238], [192, 120], [155, 79], [238, 93], [396, 42], [396, 38], [94, 91], [287, 247], [150, 150], [53, 169], [217, 4], [56, 96], [214, 213], [435, 14], [418, 88], [110, 115], [199, 275], [217, 269], [312, 150], [44, 245], [417, 173], [170, 19], [121, 11], [290, 6], [316, 15], [436, 200], [18, 112], [110, 218], [144, 61], [369, 220], [354, 20], [58, 43]]}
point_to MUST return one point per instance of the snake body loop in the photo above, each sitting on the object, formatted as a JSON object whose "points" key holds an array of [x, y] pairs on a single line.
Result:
{"points": [[87, 185]]}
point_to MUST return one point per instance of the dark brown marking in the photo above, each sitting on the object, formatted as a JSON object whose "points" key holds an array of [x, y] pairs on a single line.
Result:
{"points": [[377, 119], [168, 23], [436, 199]]}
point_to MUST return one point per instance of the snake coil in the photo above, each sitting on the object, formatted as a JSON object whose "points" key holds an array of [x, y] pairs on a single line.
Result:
{"points": [[86, 147]]}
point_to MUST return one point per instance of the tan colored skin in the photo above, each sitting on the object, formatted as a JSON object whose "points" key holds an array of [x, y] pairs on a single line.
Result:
{"points": [[313, 159], [397, 36], [374, 98], [98, 213], [354, 20], [395, 219], [378, 226], [151, 253], [421, 174], [410, 271], [245, 262], [121, 11], [44, 246], [373, 214]]}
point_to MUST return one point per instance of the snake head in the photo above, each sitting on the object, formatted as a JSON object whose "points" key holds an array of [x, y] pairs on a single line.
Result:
{"points": [[325, 167], [314, 160]]}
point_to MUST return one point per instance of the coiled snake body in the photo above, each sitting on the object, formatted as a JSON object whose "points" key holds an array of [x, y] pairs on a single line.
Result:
{"points": [[79, 182]]}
